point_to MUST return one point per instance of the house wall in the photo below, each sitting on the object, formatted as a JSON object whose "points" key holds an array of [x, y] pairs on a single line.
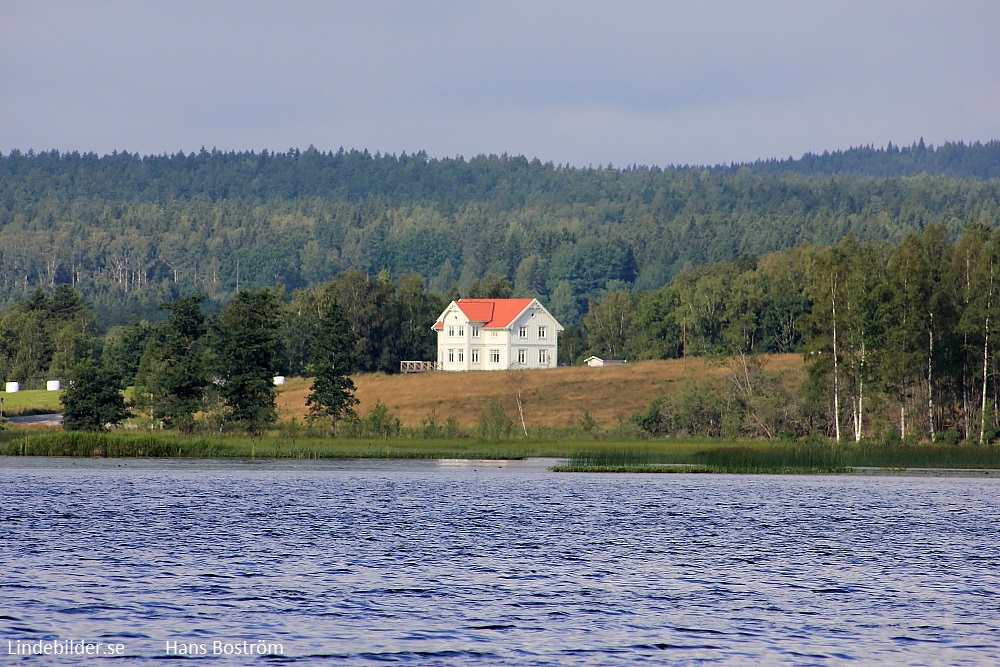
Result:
{"points": [[532, 342], [454, 342]]}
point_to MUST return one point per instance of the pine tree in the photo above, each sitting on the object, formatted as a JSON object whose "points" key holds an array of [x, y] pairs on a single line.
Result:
{"points": [[246, 337], [332, 391], [182, 379]]}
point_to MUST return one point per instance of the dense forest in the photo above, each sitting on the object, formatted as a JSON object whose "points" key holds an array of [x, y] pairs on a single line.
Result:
{"points": [[884, 274], [898, 338], [129, 232]]}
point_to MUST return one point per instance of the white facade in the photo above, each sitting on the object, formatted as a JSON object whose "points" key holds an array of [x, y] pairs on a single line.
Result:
{"points": [[496, 334]]}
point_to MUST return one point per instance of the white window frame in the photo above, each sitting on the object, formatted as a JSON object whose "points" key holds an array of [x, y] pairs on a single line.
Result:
{"points": [[451, 355], [543, 356], [461, 331], [475, 331], [522, 357], [542, 330], [461, 356], [451, 331], [475, 355], [522, 331], [495, 356]]}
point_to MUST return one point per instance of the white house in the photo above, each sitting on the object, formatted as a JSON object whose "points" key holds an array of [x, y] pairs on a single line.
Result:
{"points": [[496, 334]]}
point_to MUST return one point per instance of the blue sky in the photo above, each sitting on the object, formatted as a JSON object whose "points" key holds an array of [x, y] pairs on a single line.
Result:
{"points": [[685, 82]]}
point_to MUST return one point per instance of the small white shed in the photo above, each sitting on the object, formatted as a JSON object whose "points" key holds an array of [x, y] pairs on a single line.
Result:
{"points": [[608, 361]]}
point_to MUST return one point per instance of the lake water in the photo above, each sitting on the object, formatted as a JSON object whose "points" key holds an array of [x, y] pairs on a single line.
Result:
{"points": [[468, 563]]}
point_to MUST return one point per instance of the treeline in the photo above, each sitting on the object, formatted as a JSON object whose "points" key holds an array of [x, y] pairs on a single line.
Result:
{"points": [[45, 335], [900, 340], [129, 232], [957, 159]]}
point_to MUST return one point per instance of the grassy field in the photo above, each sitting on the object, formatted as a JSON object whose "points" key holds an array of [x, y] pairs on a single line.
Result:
{"points": [[27, 402], [556, 397]]}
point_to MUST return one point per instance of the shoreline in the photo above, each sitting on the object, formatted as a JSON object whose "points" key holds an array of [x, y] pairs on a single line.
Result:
{"points": [[536, 464]]}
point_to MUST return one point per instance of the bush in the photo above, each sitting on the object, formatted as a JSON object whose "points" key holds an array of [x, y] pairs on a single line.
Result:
{"points": [[948, 437], [380, 422], [494, 424]]}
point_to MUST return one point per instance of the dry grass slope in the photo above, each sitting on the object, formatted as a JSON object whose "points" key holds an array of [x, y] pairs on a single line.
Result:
{"points": [[552, 397]]}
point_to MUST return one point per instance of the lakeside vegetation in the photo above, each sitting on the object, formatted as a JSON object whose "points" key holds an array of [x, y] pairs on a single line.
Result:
{"points": [[682, 456]]}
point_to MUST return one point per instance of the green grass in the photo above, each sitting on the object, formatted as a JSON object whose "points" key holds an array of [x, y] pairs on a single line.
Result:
{"points": [[15, 442], [797, 458], [30, 402], [660, 456], [925, 456]]}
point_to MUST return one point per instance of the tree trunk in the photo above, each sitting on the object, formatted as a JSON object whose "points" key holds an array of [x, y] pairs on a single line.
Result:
{"points": [[930, 376], [859, 409], [986, 357], [986, 363], [836, 378]]}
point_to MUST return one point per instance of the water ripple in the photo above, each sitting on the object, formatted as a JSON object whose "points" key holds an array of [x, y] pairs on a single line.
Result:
{"points": [[373, 562]]}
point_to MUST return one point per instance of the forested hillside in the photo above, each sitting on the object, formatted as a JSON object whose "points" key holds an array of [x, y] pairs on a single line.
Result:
{"points": [[129, 232], [899, 340], [957, 159]]}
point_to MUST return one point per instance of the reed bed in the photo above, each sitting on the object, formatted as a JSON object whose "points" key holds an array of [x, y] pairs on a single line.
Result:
{"points": [[65, 443], [798, 458], [647, 456], [744, 458], [926, 456]]}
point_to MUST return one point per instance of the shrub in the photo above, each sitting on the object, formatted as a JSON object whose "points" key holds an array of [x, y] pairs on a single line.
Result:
{"points": [[948, 437], [495, 424], [380, 422]]}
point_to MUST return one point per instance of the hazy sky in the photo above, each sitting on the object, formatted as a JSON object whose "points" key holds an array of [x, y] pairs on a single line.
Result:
{"points": [[666, 82]]}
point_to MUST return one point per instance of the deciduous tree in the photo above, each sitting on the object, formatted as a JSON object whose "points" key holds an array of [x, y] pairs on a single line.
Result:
{"points": [[92, 399]]}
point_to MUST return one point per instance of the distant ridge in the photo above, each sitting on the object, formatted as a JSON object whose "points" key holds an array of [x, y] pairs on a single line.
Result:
{"points": [[975, 160], [129, 231]]}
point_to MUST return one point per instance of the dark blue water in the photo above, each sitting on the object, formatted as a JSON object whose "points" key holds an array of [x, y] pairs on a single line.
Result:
{"points": [[444, 564]]}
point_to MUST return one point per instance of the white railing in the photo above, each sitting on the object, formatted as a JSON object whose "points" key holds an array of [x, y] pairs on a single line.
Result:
{"points": [[417, 366]]}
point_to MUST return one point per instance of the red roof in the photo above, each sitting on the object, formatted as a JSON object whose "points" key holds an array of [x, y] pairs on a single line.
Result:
{"points": [[496, 313]]}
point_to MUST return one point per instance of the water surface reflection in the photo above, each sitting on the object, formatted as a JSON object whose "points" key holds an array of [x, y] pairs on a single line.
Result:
{"points": [[468, 563]]}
